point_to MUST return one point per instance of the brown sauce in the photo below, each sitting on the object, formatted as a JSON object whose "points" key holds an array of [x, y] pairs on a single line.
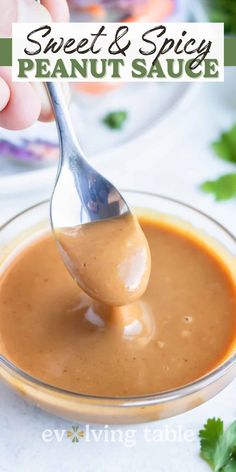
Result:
{"points": [[109, 259], [182, 327]]}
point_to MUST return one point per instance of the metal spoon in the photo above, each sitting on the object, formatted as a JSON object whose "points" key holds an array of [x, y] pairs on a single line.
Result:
{"points": [[81, 194]]}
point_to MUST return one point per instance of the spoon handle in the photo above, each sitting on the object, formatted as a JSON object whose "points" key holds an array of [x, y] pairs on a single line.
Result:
{"points": [[68, 139]]}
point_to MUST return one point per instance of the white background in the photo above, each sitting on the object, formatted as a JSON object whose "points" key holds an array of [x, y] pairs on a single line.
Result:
{"points": [[173, 159]]}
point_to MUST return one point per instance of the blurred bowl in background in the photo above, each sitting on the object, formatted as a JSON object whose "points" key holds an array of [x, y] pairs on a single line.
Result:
{"points": [[121, 10], [146, 105]]}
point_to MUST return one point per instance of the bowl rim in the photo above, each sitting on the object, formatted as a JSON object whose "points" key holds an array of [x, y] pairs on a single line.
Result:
{"points": [[133, 400]]}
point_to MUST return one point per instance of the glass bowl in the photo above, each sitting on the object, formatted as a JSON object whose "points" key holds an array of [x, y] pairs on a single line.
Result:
{"points": [[117, 410]]}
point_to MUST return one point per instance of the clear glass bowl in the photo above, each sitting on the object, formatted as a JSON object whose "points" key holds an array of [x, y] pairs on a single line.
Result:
{"points": [[94, 409]]}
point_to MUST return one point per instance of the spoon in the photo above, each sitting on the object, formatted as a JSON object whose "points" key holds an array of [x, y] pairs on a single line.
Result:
{"points": [[91, 196], [82, 196], [114, 265]]}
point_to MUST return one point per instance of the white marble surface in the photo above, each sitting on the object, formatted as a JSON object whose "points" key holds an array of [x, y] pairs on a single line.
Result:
{"points": [[172, 159]]}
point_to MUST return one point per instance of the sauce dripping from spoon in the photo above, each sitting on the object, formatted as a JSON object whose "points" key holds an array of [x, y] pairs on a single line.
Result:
{"points": [[109, 259]]}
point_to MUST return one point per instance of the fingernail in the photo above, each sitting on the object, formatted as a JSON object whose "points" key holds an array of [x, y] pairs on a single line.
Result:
{"points": [[4, 94]]}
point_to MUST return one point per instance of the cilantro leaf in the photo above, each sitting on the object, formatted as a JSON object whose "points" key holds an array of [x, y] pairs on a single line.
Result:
{"points": [[218, 447], [231, 466], [225, 448], [115, 119], [209, 437], [225, 146], [223, 188]]}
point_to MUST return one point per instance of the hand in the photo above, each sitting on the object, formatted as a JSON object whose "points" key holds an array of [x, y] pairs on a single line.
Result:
{"points": [[21, 104]]}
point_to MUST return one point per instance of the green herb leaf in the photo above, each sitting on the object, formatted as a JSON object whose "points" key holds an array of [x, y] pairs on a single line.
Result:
{"points": [[225, 146], [218, 447], [223, 188], [115, 119], [209, 437], [225, 11], [231, 466], [225, 448]]}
